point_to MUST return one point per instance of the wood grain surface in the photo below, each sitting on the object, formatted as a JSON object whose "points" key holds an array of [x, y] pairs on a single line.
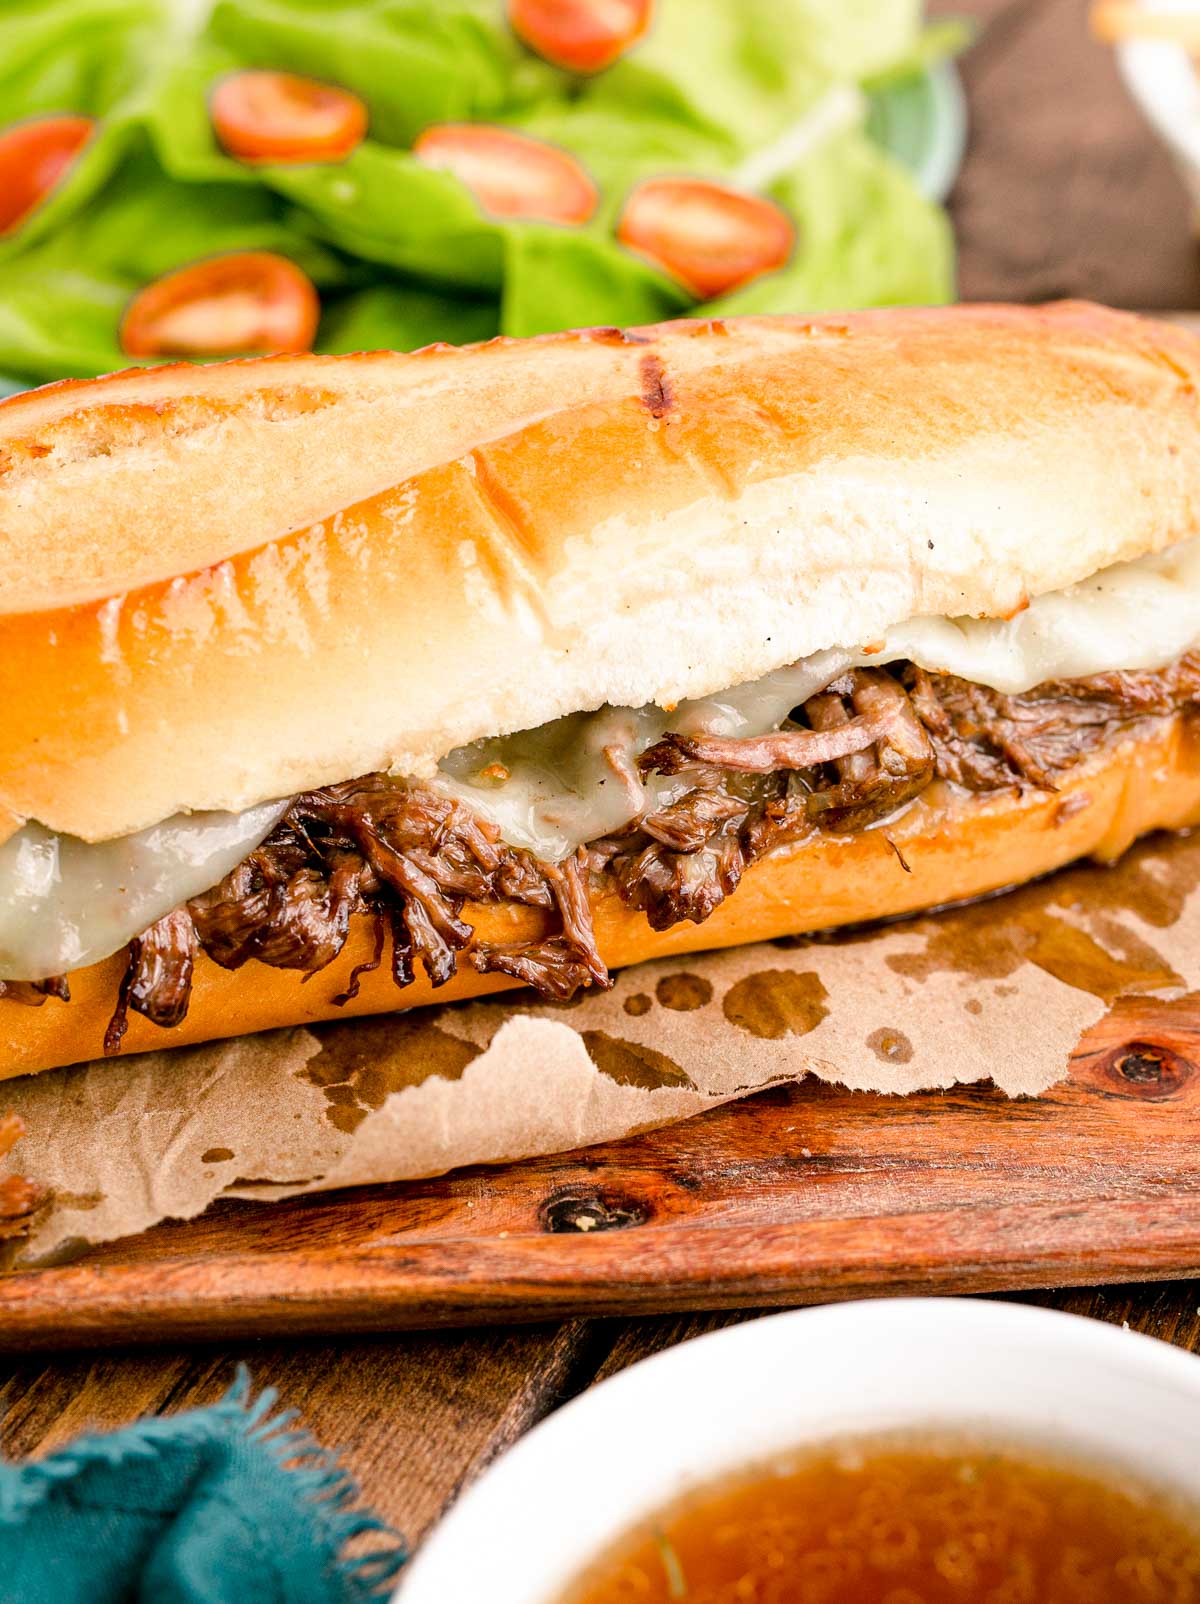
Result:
{"points": [[805, 1192], [1064, 192]]}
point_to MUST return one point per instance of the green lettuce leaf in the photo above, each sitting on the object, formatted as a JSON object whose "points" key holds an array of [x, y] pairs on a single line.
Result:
{"points": [[401, 317], [90, 57], [863, 237], [403, 255], [74, 55], [741, 71]]}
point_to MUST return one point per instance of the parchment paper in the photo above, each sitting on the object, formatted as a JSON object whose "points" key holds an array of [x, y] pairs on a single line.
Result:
{"points": [[1000, 990]]}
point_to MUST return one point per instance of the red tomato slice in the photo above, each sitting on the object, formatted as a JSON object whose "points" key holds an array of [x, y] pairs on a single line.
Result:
{"points": [[277, 117], [709, 237], [33, 158], [509, 174], [580, 35], [250, 301]]}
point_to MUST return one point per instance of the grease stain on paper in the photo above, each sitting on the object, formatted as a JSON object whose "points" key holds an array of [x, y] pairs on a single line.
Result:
{"points": [[1094, 950], [631, 1063], [683, 992], [890, 1046], [637, 1005], [362, 1062], [81, 1201], [773, 1003]]}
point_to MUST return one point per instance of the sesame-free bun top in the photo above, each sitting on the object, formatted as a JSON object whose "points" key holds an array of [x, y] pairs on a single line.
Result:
{"points": [[223, 584]]}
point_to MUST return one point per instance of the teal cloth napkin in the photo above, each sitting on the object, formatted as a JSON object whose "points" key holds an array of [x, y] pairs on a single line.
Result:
{"points": [[225, 1505]]}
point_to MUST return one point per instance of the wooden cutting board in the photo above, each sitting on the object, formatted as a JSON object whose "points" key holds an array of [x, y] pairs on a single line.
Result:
{"points": [[804, 1193]]}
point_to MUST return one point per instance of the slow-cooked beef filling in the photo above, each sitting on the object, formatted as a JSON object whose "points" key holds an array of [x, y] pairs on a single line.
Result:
{"points": [[412, 858]]}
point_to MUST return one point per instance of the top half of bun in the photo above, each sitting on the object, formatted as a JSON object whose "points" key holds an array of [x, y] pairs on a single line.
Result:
{"points": [[222, 584]]}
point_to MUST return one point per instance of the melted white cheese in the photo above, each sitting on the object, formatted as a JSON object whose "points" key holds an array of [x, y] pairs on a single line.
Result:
{"points": [[1140, 614], [553, 788], [65, 903], [560, 789]]}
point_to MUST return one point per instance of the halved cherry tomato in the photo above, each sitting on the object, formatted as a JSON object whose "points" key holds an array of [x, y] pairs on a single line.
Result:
{"points": [[250, 301], [580, 35], [509, 174], [277, 117], [708, 236], [33, 157]]}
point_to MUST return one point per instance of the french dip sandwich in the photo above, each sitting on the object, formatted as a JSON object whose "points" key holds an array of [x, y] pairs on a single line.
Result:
{"points": [[334, 685]]}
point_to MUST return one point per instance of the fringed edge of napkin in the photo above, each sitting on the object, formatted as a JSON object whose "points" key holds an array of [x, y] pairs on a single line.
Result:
{"points": [[314, 1472], [324, 1483]]}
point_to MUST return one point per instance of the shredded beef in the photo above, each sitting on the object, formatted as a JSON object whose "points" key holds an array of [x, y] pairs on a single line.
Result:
{"points": [[559, 966], [672, 886], [402, 969], [985, 740], [863, 754], [764, 754], [403, 854], [158, 977], [290, 918], [413, 859], [692, 820], [33, 993], [871, 784]]}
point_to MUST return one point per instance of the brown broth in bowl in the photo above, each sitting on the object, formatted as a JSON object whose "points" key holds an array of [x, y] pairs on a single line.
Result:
{"points": [[911, 1522]]}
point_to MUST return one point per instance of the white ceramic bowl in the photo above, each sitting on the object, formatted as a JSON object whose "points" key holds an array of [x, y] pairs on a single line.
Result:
{"points": [[552, 1504], [1163, 79]]}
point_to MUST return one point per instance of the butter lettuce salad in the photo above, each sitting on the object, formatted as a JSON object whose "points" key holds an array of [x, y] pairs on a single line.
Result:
{"points": [[450, 179]]}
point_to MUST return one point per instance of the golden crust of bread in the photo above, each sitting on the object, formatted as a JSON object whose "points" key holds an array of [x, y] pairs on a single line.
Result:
{"points": [[224, 584], [955, 847]]}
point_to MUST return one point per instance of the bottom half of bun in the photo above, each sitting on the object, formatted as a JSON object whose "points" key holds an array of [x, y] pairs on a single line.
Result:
{"points": [[948, 846]]}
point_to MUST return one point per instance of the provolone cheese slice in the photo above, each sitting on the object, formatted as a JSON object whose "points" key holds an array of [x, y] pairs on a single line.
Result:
{"points": [[66, 903]]}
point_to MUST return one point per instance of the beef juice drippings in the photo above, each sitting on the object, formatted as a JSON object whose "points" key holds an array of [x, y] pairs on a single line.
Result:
{"points": [[911, 1522]]}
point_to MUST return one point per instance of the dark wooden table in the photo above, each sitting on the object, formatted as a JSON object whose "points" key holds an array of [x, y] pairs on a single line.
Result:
{"points": [[1064, 193]]}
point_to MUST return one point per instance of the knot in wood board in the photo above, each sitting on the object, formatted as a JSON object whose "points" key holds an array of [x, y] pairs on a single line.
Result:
{"points": [[586, 1209], [1149, 1070]]}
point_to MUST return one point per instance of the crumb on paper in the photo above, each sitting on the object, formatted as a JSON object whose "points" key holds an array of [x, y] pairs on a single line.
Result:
{"points": [[21, 1201]]}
